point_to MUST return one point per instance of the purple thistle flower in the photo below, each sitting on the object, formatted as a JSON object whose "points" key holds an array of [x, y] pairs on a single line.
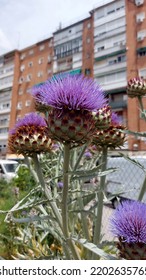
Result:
{"points": [[129, 222], [30, 135], [72, 92], [87, 155], [31, 119], [60, 185]]}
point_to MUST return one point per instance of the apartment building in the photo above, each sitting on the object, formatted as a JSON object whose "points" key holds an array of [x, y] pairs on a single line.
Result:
{"points": [[110, 53], [73, 48], [33, 66], [136, 65], [7, 63], [109, 45]]}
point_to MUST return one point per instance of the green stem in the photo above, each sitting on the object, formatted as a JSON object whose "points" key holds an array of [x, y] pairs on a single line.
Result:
{"points": [[100, 194], [49, 196], [27, 161], [46, 190], [79, 158], [141, 107], [65, 202], [143, 190]]}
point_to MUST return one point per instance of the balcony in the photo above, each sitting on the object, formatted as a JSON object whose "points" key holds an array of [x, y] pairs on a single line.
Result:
{"points": [[109, 17], [104, 35], [109, 52], [6, 85], [61, 67], [116, 84], [109, 68], [6, 72]]}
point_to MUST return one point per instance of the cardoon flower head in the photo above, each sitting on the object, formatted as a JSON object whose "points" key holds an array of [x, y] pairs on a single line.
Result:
{"points": [[30, 135], [112, 136], [39, 106], [102, 117], [136, 87], [72, 98], [72, 92], [128, 223]]}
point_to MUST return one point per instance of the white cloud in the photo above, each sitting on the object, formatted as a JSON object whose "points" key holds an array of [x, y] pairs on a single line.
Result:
{"points": [[5, 44]]}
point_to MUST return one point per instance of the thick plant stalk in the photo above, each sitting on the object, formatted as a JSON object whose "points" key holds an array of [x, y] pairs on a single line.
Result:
{"points": [[65, 202], [143, 190], [31, 169], [49, 196], [98, 222], [47, 192]]}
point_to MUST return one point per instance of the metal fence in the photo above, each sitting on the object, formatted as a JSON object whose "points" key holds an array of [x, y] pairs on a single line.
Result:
{"points": [[124, 183]]}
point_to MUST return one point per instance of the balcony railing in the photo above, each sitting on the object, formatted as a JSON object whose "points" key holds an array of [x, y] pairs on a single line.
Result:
{"points": [[104, 35], [112, 51], [109, 68], [6, 85]]}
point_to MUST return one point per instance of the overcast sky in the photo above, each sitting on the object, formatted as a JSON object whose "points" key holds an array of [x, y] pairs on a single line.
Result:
{"points": [[25, 22]]}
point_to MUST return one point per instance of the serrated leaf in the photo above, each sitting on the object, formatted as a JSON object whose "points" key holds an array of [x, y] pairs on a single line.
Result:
{"points": [[141, 134], [133, 161], [90, 174], [94, 249]]}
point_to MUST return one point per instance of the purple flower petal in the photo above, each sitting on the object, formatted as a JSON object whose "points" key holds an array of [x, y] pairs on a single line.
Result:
{"points": [[129, 222], [29, 120], [72, 92]]}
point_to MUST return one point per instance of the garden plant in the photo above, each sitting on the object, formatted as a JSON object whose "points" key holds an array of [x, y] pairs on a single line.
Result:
{"points": [[65, 144]]}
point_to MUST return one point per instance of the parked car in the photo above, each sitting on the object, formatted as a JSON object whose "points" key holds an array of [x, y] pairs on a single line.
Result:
{"points": [[8, 169], [126, 181]]}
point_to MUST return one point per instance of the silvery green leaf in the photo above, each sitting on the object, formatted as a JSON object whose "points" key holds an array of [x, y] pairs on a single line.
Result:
{"points": [[133, 161], [141, 134], [90, 174], [93, 248]]}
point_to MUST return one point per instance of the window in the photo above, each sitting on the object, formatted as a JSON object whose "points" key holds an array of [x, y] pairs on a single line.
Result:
{"points": [[21, 79], [5, 106], [49, 58], [110, 8], [20, 92], [6, 80], [19, 105], [22, 67], [28, 77], [30, 64], [4, 120], [18, 117], [88, 25], [23, 55], [42, 47], [27, 103], [40, 74], [41, 60], [139, 2], [140, 17], [87, 71], [31, 52], [3, 130], [142, 53], [142, 73], [141, 35], [100, 48]]}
